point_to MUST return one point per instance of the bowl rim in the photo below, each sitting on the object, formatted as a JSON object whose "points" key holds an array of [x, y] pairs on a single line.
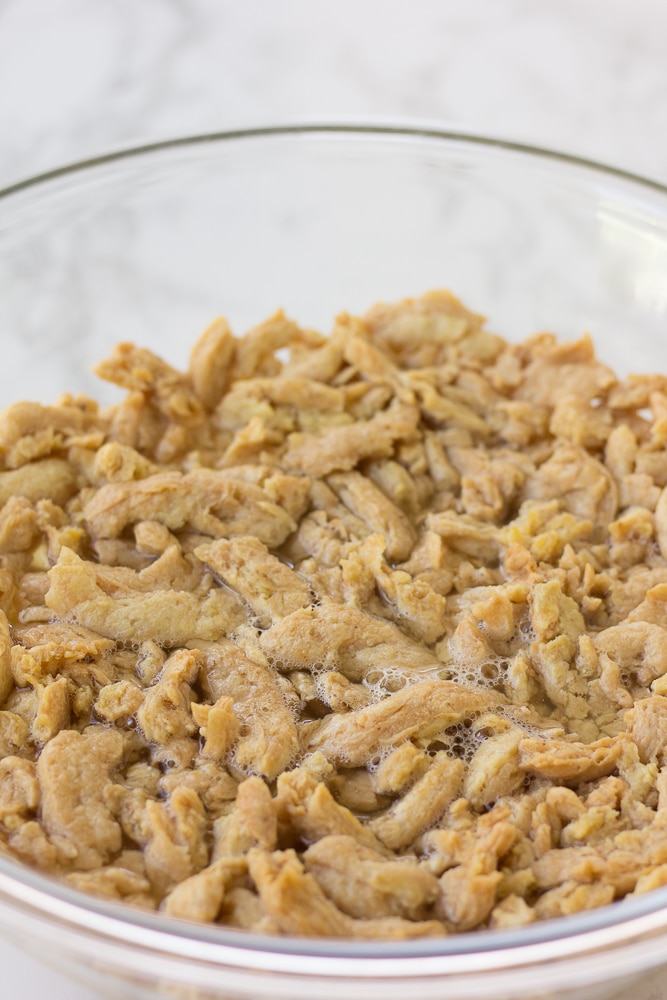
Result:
{"points": [[36, 894], [414, 130], [627, 926]]}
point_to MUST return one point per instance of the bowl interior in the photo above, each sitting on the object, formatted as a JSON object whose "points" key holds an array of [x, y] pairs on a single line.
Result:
{"points": [[151, 245]]}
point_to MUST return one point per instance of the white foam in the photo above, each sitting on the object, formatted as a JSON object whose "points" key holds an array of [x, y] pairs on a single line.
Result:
{"points": [[487, 676]]}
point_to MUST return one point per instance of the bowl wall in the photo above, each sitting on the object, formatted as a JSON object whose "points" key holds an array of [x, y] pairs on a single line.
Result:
{"points": [[150, 247]]}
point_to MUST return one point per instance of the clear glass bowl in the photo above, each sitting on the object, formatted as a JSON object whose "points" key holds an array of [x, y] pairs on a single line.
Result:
{"points": [[149, 245]]}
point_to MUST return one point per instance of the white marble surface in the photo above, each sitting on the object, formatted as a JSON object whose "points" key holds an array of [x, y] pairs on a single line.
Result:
{"points": [[80, 77]]}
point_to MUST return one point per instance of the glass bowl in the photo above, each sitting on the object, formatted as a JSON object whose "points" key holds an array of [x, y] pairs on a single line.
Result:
{"points": [[149, 245]]}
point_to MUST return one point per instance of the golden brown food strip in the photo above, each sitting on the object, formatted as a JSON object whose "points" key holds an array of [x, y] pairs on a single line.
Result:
{"points": [[312, 812], [331, 525], [647, 725], [340, 694], [570, 897], [14, 733], [399, 768], [19, 789], [255, 352], [561, 760], [270, 588], [269, 739], [73, 771], [418, 331], [370, 504], [355, 643], [354, 790], [6, 678], [468, 896], [118, 462], [292, 493], [321, 363], [165, 712], [422, 805], [414, 602], [302, 393], [25, 420], [661, 522], [51, 478], [118, 701], [581, 483], [218, 725], [210, 362], [465, 534], [213, 784], [298, 905], [116, 883], [176, 844], [422, 709], [19, 525], [140, 370], [252, 823], [170, 571], [294, 899], [495, 769], [167, 617], [396, 929], [337, 449], [571, 364], [53, 710], [370, 362], [652, 607], [200, 896], [55, 644], [469, 890], [512, 911], [244, 909], [440, 408], [578, 864], [637, 647], [204, 500], [364, 884]]}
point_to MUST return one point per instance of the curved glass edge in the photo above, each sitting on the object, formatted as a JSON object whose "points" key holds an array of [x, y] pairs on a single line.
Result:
{"points": [[15, 879], [335, 128]]}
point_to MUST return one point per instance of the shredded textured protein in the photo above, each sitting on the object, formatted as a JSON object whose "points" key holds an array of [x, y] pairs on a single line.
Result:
{"points": [[359, 636]]}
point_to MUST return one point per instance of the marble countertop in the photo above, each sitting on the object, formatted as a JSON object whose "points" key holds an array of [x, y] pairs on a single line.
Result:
{"points": [[81, 77]]}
